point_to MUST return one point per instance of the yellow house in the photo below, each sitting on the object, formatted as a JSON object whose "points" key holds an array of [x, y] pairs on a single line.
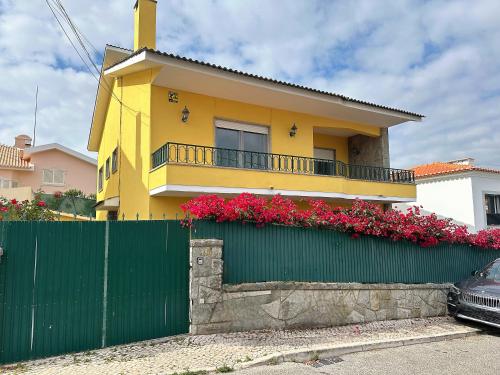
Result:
{"points": [[168, 128]]}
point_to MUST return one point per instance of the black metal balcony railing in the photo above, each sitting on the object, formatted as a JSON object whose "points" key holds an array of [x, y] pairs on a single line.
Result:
{"points": [[223, 157]]}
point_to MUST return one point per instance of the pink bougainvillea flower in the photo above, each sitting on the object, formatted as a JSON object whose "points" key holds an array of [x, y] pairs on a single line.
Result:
{"points": [[13, 201], [41, 204], [362, 218]]}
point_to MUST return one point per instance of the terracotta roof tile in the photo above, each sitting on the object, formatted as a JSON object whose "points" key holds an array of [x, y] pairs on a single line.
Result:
{"points": [[10, 157], [441, 168]]}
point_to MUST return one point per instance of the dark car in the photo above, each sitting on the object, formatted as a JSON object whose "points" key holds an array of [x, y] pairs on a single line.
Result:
{"points": [[478, 297]]}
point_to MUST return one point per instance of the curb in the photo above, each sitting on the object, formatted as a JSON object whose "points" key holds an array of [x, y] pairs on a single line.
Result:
{"points": [[326, 351]]}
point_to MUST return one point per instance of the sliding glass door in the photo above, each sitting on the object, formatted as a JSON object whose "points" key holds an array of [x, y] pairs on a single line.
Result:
{"points": [[227, 142], [241, 146], [324, 163]]}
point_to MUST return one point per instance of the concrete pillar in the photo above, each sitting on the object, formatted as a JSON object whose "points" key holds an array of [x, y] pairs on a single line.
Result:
{"points": [[370, 151], [205, 281]]}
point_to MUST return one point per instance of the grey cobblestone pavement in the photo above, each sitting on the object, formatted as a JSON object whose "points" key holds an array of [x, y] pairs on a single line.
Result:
{"points": [[182, 353]]}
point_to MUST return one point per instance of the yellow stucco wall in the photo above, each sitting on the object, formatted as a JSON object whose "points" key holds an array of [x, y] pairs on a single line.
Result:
{"points": [[339, 144], [147, 120], [200, 128], [128, 127], [177, 174]]}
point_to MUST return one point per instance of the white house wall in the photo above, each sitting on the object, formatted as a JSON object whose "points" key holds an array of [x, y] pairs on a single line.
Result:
{"points": [[448, 196], [483, 183]]}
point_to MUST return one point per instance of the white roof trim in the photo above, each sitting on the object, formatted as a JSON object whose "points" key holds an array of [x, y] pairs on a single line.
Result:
{"points": [[187, 190], [112, 54], [466, 173], [31, 168], [148, 60], [66, 150], [108, 204], [124, 64]]}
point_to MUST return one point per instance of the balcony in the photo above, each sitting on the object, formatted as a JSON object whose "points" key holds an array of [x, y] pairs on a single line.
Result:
{"points": [[178, 153]]}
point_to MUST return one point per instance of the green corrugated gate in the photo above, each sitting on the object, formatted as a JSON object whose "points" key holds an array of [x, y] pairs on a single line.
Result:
{"points": [[279, 253], [73, 286]]}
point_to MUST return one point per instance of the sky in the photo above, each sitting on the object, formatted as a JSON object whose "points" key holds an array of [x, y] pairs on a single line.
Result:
{"points": [[437, 58]]}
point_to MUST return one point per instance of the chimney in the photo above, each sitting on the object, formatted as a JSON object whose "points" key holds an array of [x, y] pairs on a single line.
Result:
{"points": [[22, 141], [145, 24], [465, 161]]}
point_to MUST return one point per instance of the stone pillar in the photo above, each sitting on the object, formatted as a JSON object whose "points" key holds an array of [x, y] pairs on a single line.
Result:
{"points": [[370, 151], [205, 281]]}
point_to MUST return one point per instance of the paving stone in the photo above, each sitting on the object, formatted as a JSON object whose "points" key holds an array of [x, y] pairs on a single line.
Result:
{"points": [[178, 354]]}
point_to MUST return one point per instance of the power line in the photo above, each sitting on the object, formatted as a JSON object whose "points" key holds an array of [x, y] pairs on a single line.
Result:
{"points": [[71, 41], [58, 7], [76, 33], [76, 27]]}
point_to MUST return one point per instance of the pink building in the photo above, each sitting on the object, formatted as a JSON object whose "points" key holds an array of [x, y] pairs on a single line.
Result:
{"points": [[49, 168]]}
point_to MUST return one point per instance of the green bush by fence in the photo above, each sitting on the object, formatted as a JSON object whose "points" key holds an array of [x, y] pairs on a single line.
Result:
{"points": [[280, 253], [70, 205]]}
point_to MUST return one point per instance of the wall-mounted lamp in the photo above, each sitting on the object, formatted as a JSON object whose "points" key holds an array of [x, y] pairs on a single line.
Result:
{"points": [[356, 151], [1, 254], [293, 130], [185, 114]]}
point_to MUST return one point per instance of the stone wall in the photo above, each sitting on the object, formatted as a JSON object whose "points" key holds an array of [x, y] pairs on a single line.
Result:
{"points": [[370, 151], [278, 305]]}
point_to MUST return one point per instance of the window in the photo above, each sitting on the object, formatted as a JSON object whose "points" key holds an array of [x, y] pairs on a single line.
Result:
{"points": [[492, 204], [114, 160], [99, 180], [7, 184], [112, 215], [53, 177], [241, 145], [324, 163], [107, 169], [491, 272]]}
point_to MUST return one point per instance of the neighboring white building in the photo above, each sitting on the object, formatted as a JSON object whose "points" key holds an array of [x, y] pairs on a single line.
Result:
{"points": [[457, 189]]}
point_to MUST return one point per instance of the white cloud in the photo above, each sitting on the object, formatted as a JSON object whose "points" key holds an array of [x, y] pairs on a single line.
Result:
{"points": [[439, 58]]}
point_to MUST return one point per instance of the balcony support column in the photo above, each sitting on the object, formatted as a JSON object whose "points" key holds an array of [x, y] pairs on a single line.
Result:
{"points": [[370, 151]]}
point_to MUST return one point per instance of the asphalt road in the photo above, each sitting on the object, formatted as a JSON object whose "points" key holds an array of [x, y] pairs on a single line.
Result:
{"points": [[472, 355]]}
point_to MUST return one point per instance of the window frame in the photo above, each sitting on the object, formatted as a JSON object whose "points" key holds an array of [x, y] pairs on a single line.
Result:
{"points": [[100, 179], [53, 182], [492, 213], [114, 160], [242, 127], [242, 158], [107, 169], [10, 184], [322, 166]]}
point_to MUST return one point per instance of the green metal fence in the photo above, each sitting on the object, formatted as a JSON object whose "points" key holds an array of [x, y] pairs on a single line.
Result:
{"points": [[73, 286], [278, 253]]}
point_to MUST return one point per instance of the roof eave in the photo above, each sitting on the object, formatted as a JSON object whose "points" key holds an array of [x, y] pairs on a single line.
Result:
{"points": [[28, 169], [145, 59], [66, 150], [103, 94]]}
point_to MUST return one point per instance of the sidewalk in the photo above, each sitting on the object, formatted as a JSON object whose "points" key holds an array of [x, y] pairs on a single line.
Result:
{"points": [[237, 350]]}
